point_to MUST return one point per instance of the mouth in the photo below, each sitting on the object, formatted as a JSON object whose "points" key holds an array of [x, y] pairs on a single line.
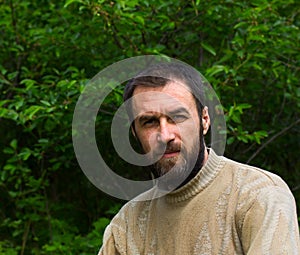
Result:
{"points": [[170, 154]]}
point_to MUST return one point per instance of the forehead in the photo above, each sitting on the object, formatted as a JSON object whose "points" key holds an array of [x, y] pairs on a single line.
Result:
{"points": [[162, 99]]}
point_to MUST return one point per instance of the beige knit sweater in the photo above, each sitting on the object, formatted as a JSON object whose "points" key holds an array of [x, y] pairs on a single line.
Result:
{"points": [[228, 208]]}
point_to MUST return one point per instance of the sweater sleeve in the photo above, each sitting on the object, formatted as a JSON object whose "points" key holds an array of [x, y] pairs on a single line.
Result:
{"points": [[270, 224], [108, 246]]}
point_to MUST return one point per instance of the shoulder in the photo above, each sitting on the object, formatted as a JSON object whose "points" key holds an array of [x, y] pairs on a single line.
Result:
{"points": [[132, 214], [249, 177], [133, 209], [259, 192], [255, 186], [251, 185]]}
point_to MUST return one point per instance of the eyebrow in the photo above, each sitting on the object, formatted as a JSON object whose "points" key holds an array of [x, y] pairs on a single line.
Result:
{"points": [[179, 110], [147, 115], [145, 118]]}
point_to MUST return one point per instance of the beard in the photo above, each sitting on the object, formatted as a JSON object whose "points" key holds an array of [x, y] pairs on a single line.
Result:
{"points": [[180, 169], [183, 167]]}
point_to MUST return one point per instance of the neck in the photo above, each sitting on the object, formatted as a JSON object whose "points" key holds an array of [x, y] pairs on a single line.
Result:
{"points": [[205, 156], [208, 173]]}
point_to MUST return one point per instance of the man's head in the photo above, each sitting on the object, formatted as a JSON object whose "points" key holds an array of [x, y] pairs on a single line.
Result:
{"points": [[160, 74], [168, 119]]}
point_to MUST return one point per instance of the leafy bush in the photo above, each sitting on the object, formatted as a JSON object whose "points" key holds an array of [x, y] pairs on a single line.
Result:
{"points": [[248, 50]]}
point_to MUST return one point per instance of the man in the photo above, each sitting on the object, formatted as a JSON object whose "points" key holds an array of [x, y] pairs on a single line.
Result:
{"points": [[212, 205]]}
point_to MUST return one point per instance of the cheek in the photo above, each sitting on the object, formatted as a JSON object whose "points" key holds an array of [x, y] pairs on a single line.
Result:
{"points": [[189, 133], [188, 129], [147, 140]]}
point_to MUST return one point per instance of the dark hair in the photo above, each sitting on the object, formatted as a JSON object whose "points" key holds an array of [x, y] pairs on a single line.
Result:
{"points": [[161, 74]]}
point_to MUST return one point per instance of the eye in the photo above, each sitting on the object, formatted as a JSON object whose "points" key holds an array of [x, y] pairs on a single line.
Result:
{"points": [[178, 118], [150, 122]]}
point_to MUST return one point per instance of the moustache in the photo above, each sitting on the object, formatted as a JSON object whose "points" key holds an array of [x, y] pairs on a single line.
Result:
{"points": [[170, 148]]}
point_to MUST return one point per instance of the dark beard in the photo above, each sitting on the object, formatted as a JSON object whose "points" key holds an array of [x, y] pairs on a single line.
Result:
{"points": [[198, 165], [181, 171]]}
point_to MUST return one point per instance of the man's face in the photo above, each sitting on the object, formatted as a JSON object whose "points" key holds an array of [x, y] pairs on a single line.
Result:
{"points": [[168, 126]]}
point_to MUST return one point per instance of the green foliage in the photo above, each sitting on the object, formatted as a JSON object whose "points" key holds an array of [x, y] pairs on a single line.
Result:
{"points": [[248, 50], [67, 240]]}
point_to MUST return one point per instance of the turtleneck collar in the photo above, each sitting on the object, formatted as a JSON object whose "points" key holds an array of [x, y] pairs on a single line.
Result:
{"points": [[205, 176]]}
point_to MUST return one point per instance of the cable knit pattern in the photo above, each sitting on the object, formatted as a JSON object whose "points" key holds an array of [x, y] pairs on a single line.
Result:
{"points": [[228, 208]]}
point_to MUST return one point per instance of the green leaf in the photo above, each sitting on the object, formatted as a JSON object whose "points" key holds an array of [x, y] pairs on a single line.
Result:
{"points": [[45, 103], [68, 2], [241, 107], [216, 69], [240, 24], [8, 150], [32, 110], [13, 144], [298, 92], [29, 83], [209, 48], [25, 154], [10, 167], [230, 140]]}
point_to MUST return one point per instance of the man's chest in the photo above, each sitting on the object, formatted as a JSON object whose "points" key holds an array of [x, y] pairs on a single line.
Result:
{"points": [[194, 229]]}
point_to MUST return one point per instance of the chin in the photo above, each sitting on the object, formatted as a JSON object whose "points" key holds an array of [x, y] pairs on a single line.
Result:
{"points": [[164, 165], [176, 164]]}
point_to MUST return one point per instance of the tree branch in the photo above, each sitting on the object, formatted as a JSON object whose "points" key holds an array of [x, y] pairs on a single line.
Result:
{"points": [[272, 139], [296, 188]]}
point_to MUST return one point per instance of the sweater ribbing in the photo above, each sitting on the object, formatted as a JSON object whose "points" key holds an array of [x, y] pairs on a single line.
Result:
{"points": [[205, 176]]}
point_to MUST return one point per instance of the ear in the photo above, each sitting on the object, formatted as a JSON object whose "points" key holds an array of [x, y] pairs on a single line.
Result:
{"points": [[205, 120]]}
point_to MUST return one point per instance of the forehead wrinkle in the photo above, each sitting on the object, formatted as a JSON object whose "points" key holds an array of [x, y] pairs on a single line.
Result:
{"points": [[164, 99]]}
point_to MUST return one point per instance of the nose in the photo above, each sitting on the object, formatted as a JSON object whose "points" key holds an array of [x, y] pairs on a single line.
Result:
{"points": [[166, 133]]}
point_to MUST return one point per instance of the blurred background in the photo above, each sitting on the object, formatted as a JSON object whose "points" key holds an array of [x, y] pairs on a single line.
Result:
{"points": [[49, 50]]}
